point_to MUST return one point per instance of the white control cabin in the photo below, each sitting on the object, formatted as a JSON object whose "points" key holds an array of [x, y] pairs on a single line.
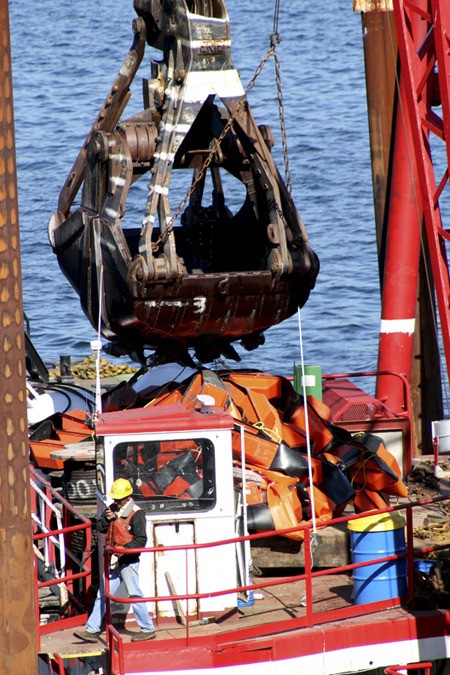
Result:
{"points": [[179, 462]]}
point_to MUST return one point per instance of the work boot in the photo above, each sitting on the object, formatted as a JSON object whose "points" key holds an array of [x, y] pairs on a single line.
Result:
{"points": [[87, 636], [143, 635]]}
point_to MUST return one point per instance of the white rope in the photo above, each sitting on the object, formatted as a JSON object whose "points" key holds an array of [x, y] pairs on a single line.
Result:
{"points": [[96, 346], [308, 439], [244, 509]]}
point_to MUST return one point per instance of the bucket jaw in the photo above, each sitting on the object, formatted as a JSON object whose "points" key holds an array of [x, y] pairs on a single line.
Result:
{"points": [[230, 257]]}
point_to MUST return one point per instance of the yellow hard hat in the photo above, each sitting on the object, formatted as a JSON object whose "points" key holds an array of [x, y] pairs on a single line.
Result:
{"points": [[121, 488]]}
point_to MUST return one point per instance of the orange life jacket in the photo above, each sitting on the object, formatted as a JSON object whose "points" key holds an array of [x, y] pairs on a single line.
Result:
{"points": [[118, 532]]}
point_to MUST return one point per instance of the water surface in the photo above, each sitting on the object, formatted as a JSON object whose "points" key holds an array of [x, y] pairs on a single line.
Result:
{"points": [[65, 58]]}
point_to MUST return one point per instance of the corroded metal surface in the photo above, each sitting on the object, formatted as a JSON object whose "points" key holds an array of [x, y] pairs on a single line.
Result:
{"points": [[230, 256], [372, 5], [18, 635]]}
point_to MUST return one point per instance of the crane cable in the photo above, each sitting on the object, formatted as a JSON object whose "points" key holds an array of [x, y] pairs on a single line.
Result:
{"points": [[308, 439], [96, 346], [275, 40]]}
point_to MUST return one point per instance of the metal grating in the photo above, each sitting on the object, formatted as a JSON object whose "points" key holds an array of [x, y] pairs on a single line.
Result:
{"points": [[361, 412]]}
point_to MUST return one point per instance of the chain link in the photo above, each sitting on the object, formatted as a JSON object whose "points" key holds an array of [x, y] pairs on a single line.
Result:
{"points": [[281, 115], [274, 41]]}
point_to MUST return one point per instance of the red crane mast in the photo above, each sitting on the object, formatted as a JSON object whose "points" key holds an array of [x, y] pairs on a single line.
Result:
{"points": [[425, 60]]}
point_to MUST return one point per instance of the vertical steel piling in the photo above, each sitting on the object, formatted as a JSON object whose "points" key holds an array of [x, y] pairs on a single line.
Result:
{"points": [[18, 648]]}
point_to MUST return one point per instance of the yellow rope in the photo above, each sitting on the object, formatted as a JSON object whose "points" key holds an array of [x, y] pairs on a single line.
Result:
{"points": [[270, 433]]}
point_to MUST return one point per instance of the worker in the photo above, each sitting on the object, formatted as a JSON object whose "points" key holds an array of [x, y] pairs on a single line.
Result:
{"points": [[125, 527]]}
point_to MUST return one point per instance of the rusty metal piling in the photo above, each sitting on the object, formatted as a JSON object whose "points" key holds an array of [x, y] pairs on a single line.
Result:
{"points": [[18, 646]]}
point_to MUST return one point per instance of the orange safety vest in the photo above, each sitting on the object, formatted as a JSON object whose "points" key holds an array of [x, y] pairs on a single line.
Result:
{"points": [[118, 532]]}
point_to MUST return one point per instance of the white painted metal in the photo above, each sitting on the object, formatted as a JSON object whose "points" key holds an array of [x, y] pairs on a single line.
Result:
{"points": [[174, 563], [440, 429], [215, 568], [364, 659]]}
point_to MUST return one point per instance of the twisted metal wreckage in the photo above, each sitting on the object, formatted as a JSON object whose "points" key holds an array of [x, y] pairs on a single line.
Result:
{"points": [[215, 278]]}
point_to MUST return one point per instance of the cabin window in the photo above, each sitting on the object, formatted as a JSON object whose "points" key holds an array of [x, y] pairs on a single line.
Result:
{"points": [[168, 476]]}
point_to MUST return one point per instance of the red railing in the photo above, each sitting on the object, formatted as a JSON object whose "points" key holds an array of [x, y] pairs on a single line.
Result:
{"points": [[395, 670], [52, 519], [311, 617]]}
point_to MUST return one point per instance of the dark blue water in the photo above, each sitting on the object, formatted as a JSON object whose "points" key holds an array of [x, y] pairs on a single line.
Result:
{"points": [[65, 58]]}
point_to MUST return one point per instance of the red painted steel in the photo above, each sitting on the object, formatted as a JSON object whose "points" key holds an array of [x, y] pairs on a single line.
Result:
{"points": [[341, 398], [346, 627], [401, 268], [50, 534], [59, 663], [175, 417], [427, 63], [394, 670], [253, 644]]}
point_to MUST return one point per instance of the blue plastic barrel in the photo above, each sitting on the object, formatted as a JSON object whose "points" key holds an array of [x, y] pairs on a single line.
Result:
{"points": [[375, 537], [423, 569], [425, 566]]}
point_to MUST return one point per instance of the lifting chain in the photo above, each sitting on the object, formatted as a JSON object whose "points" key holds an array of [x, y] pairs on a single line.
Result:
{"points": [[274, 41]]}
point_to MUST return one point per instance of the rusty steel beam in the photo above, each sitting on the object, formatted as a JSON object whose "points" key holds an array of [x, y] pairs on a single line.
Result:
{"points": [[18, 642], [380, 60], [372, 5]]}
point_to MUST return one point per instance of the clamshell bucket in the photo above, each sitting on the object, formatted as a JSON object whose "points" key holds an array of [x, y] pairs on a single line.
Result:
{"points": [[230, 256]]}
